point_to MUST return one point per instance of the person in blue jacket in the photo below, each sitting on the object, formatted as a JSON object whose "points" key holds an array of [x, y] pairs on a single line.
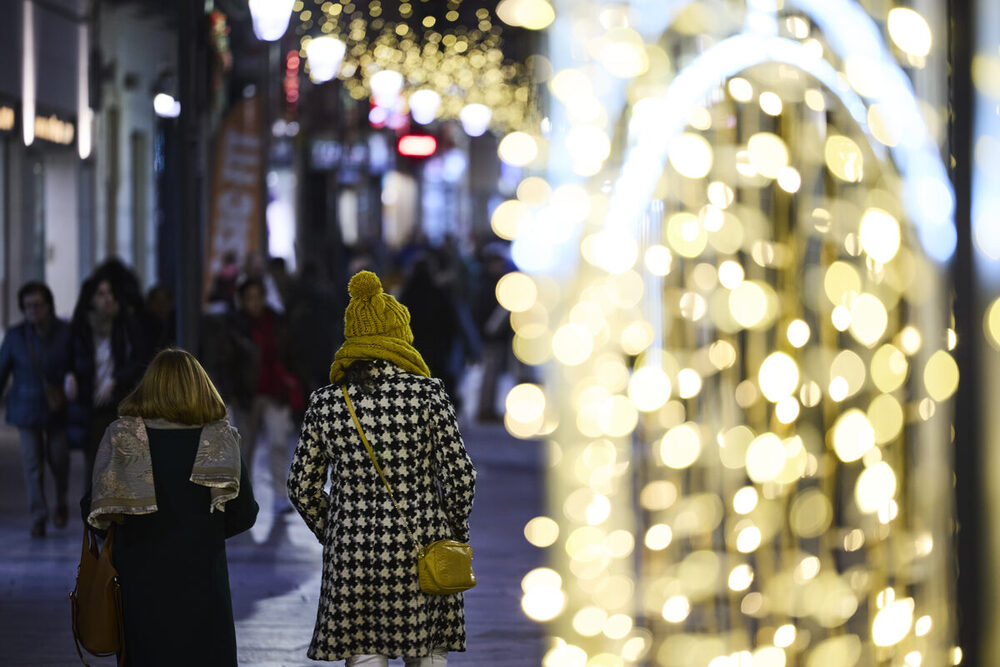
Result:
{"points": [[36, 353]]}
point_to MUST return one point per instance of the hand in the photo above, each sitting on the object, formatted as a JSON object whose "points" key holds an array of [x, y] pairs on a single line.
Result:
{"points": [[69, 386]]}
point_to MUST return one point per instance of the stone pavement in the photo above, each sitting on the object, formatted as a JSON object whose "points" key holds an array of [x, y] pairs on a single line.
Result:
{"points": [[274, 570]]}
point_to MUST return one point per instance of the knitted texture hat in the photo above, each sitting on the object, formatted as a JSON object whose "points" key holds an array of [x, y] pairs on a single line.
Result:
{"points": [[372, 312], [376, 326]]}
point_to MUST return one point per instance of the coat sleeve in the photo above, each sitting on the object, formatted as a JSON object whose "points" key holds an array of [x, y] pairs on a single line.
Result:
{"points": [[455, 472], [241, 511], [6, 359], [136, 353], [82, 364], [308, 473]]}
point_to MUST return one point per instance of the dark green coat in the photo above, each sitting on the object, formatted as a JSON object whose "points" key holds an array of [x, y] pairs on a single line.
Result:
{"points": [[172, 563]]}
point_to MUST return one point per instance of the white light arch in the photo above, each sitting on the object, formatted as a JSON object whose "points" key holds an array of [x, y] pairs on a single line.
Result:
{"points": [[928, 195]]}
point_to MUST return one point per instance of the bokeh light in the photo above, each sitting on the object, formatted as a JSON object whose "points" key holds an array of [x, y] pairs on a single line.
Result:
{"points": [[741, 329], [909, 31], [518, 149], [778, 376]]}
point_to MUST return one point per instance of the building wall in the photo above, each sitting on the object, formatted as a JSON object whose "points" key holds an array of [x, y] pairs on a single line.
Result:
{"points": [[137, 50], [62, 271], [56, 51], [39, 213], [10, 50]]}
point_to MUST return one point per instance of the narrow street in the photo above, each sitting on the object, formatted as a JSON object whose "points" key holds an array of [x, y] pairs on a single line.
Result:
{"points": [[274, 570]]}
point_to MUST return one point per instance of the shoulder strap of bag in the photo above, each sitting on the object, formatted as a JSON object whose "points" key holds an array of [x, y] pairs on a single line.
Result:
{"points": [[371, 454]]}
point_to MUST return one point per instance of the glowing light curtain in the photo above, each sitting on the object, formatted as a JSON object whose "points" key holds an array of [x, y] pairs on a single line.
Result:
{"points": [[986, 304], [733, 278]]}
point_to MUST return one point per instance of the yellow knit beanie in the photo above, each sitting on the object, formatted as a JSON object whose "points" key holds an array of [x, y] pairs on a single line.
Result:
{"points": [[372, 312], [376, 326]]}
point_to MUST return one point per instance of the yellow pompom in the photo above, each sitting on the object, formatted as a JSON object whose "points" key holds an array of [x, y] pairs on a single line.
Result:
{"points": [[364, 285]]}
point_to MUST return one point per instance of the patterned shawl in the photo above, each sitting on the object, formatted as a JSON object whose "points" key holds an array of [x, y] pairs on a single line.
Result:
{"points": [[123, 470]]}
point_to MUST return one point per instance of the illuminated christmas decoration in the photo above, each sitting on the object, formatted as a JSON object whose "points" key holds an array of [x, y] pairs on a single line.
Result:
{"points": [[475, 119], [432, 48], [424, 106], [733, 279], [270, 18], [325, 55]]}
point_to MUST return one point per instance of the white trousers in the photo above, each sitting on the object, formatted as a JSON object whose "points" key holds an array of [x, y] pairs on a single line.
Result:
{"points": [[437, 658], [275, 420]]}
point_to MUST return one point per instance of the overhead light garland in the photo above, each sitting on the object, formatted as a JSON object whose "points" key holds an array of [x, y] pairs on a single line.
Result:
{"points": [[430, 47]]}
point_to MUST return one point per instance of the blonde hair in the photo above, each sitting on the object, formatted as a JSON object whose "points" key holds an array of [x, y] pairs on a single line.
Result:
{"points": [[175, 387]]}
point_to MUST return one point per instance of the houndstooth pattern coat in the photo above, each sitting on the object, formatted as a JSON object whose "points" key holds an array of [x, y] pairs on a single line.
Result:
{"points": [[370, 597]]}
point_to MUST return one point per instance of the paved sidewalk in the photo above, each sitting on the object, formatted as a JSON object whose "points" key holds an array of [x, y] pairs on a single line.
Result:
{"points": [[274, 570]]}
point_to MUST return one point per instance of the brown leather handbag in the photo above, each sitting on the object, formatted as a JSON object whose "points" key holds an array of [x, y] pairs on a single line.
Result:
{"points": [[97, 600]]}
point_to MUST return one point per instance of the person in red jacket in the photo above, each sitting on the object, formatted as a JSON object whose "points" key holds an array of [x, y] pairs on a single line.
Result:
{"points": [[269, 392]]}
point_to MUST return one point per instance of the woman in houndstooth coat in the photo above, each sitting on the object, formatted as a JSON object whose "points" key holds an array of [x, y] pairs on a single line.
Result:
{"points": [[371, 607]]}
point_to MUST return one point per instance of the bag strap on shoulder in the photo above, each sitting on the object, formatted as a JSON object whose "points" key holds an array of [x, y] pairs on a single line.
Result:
{"points": [[371, 454]]}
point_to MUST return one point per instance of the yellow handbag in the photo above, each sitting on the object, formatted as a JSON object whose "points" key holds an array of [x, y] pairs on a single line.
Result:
{"points": [[444, 566]]}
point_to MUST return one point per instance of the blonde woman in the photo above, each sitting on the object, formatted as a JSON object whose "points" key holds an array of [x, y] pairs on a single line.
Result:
{"points": [[371, 606], [169, 472]]}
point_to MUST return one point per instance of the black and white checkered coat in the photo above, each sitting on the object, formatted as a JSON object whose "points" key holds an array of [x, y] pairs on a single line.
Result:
{"points": [[370, 599]]}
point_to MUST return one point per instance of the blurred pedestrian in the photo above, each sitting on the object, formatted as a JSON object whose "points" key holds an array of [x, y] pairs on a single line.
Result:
{"points": [[127, 287], [110, 353], [459, 275], [257, 267], [371, 605], [169, 473], [223, 287], [494, 329], [37, 353], [314, 325], [434, 320], [160, 317], [284, 283], [266, 393]]}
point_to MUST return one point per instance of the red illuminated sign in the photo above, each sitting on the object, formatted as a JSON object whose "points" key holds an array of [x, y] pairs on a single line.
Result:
{"points": [[417, 145], [291, 82]]}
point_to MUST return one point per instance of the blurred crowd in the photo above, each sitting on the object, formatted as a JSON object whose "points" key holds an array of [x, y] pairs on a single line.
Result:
{"points": [[267, 338]]}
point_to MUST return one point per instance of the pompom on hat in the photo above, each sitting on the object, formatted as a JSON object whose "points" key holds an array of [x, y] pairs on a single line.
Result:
{"points": [[372, 312], [376, 326]]}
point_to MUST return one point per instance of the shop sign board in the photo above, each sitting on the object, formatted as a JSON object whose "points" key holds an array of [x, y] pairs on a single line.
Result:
{"points": [[7, 118], [54, 129], [236, 220]]}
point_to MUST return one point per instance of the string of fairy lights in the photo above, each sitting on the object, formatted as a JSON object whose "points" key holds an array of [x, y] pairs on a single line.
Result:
{"points": [[430, 46], [745, 340]]}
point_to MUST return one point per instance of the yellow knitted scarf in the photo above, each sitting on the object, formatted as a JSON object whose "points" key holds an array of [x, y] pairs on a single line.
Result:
{"points": [[388, 348]]}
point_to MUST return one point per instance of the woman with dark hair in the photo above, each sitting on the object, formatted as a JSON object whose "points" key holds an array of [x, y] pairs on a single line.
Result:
{"points": [[160, 317], [170, 474], [110, 352], [371, 605]]}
